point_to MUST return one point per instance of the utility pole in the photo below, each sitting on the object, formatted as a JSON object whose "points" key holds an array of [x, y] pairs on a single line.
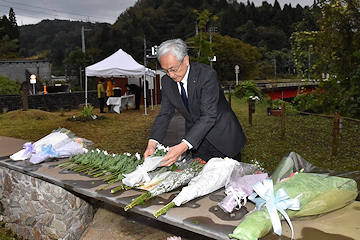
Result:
{"points": [[83, 29], [212, 31], [83, 49]]}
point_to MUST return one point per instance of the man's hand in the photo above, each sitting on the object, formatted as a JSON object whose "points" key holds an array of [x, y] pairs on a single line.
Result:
{"points": [[173, 154], [150, 149]]}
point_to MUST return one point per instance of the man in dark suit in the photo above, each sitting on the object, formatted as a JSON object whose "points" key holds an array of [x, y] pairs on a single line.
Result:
{"points": [[211, 127], [135, 89]]}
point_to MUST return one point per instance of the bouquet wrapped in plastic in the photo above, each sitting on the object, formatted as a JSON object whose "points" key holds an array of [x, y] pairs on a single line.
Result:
{"points": [[53, 138], [212, 177], [141, 172], [60, 143], [303, 194], [294, 163], [174, 180], [71, 148], [239, 186]]}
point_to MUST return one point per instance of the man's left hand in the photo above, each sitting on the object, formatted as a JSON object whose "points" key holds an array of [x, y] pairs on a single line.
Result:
{"points": [[173, 154]]}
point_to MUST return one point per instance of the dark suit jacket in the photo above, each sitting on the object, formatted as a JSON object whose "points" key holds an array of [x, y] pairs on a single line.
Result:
{"points": [[210, 115]]}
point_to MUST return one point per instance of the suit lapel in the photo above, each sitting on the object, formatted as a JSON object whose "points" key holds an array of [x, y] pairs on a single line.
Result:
{"points": [[191, 84]]}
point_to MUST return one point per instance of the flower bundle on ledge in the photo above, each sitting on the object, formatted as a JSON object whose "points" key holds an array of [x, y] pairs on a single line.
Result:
{"points": [[174, 180], [111, 167], [316, 194], [60, 143], [212, 177], [97, 163]]}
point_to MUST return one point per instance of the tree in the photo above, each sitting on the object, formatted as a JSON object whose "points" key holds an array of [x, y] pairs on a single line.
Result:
{"points": [[13, 32], [231, 52], [334, 49], [203, 47], [8, 48], [77, 60]]}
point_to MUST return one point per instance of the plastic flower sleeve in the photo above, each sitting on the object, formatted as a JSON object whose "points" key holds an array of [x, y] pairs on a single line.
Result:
{"points": [[141, 172], [52, 138], [317, 193], [212, 177], [290, 164], [238, 189], [57, 138]]}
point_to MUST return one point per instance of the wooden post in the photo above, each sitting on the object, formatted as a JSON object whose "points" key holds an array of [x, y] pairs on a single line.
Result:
{"points": [[283, 120], [335, 132], [250, 111], [25, 89]]}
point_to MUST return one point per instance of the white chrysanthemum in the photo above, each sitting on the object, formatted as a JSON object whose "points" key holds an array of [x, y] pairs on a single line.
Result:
{"points": [[138, 156]]}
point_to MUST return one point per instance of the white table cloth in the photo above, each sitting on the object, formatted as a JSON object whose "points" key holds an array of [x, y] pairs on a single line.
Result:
{"points": [[118, 103]]}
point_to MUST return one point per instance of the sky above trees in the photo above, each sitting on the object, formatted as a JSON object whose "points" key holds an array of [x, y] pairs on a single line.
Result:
{"points": [[32, 12]]}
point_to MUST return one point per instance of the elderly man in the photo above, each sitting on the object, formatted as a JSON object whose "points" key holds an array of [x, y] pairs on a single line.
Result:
{"points": [[211, 127]]}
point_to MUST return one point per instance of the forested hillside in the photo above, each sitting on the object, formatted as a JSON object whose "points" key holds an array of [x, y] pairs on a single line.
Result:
{"points": [[267, 27], [266, 42]]}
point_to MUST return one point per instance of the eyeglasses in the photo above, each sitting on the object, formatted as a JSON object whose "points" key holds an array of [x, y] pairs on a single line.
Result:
{"points": [[173, 70]]}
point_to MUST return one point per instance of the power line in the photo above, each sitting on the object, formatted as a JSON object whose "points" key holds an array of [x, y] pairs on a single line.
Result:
{"points": [[16, 8], [56, 12]]}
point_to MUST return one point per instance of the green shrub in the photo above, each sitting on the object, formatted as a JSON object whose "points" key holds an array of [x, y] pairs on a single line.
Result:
{"points": [[87, 111], [8, 86], [247, 89]]}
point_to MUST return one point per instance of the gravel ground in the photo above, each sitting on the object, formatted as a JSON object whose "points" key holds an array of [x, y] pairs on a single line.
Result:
{"points": [[111, 223]]}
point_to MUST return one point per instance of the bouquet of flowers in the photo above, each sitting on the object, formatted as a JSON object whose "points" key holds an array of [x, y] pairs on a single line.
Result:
{"points": [[239, 186], [174, 180], [72, 148], [294, 163], [141, 173], [303, 194], [212, 177], [60, 143]]}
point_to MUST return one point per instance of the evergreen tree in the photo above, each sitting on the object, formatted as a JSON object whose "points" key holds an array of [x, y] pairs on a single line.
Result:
{"points": [[13, 30]]}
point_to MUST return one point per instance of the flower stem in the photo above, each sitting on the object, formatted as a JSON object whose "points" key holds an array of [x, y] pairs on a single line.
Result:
{"points": [[118, 188], [143, 197], [164, 209]]}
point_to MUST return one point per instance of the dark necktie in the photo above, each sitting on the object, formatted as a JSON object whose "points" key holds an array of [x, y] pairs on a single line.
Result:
{"points": [[183, 96]]}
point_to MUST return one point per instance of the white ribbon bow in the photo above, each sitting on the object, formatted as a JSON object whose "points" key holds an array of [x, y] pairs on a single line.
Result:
{"points": [[238, 195], [280, 203]]}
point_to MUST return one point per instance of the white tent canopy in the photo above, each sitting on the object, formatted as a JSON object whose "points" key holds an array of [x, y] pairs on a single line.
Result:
{"points": [[119, 64]]}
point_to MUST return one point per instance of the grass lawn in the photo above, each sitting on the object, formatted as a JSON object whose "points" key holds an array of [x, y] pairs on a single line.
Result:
{"points": [[309, 136]]}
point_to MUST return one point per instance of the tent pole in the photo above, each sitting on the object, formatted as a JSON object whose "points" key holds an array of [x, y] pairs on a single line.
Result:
{"points": [[86, 96], [151, 91], [144, 85]]}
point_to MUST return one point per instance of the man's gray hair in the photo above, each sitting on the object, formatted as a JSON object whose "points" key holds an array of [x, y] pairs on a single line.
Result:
{"points": [[176, 47]]}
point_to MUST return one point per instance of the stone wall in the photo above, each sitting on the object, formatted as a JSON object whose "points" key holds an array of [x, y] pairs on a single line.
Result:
{"points": [[49, 102], [35, 209], [20, 70]]}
